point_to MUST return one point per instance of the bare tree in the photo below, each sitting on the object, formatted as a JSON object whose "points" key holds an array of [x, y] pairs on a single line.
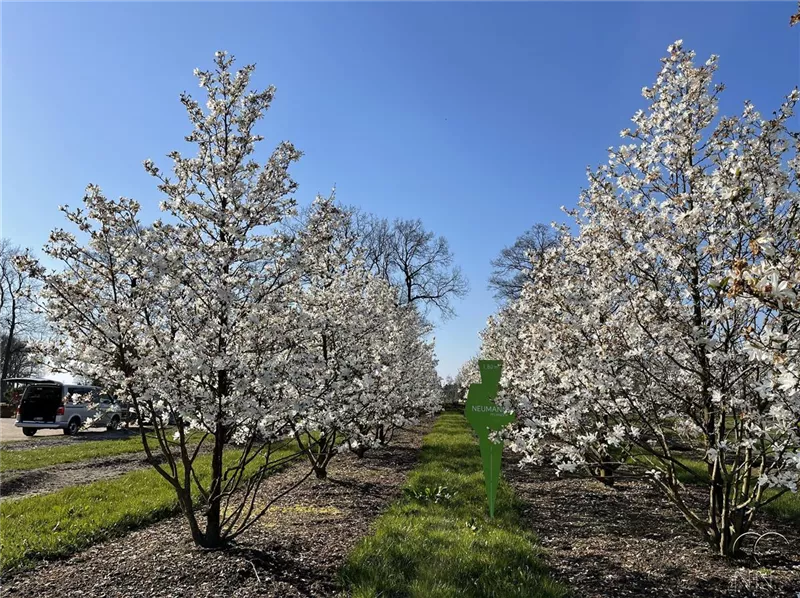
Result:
{"points": [[515, 264], [451, 391], [414, 260], [20, 358], [16, 314]]}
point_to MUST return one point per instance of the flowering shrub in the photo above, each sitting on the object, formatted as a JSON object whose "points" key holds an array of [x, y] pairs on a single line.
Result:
{"points": [[671, 317], [220, 318], [358, 365]]}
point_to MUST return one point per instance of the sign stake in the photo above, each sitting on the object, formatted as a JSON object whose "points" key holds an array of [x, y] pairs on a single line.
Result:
{"points": [[485, 417]]}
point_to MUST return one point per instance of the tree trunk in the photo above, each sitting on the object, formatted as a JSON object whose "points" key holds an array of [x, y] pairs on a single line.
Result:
{"points": [[724, 533], [327, 450], [725, 542], [384, 435], [212, 538], [185, 502], [320, 456], [725, 524], [605, 474], [9, 342]]}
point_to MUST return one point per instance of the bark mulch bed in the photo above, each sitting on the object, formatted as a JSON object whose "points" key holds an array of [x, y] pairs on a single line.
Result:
{"points": [[296, 550], [630, 542], [44, 480]]}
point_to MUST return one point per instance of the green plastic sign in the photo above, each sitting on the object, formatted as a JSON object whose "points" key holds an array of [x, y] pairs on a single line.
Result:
{"points": [[485, 417]]}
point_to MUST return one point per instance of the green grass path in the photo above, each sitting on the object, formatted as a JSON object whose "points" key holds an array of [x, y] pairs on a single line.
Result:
{"points": [[64, 522], [426, 546], [45, 456]]}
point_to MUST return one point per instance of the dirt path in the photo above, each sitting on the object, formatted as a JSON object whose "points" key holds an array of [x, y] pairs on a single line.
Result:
{"points": [[630, 542], [15, 484], [295, 551]]}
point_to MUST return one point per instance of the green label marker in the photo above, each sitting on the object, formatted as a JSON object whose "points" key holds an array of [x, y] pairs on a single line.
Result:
{"points": [[485, 417]]}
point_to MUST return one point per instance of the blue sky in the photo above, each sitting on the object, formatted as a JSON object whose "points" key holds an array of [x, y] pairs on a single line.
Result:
{"points": [[479, 118]]}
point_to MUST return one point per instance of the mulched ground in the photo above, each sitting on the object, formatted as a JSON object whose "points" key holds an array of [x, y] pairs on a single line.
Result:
{"points": [[630, 542], [296, 551], [50, 479]]}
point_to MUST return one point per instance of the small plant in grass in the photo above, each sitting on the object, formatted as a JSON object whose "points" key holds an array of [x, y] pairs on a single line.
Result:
{"points": [[436, 495]]}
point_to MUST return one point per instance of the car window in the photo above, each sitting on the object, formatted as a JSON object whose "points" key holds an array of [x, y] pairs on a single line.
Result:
{"points": [[37, 393], [77, 390]]}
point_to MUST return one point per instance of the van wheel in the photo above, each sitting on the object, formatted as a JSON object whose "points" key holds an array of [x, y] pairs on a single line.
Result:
{"points": [[29, 431], [113, 424], [73, 427]]}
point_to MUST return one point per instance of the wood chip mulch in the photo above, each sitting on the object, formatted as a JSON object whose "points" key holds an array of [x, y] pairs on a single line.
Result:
{"points": [[630, 542], [296, 550]]}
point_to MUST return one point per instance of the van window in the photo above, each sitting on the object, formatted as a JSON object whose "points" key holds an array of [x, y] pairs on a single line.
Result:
{"points": [[40, 403], [35, 393], [78, 390]]}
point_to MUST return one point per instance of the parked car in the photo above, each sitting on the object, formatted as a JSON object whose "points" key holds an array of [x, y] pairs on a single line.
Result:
{"points": [[128, 413], [147, 420], [48, 404]]}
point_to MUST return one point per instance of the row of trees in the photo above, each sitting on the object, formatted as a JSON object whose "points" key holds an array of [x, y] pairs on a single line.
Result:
{"points": [[242, 321], [670, 321]]}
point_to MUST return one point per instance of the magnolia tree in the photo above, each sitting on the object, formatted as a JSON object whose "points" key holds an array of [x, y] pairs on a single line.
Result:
{"points": [[89, 300], [321, 374], [405, 383], [469, 373], [225, 329], [666, 330], [191, 318], [351, 345], [18, 321], [768, 275]]}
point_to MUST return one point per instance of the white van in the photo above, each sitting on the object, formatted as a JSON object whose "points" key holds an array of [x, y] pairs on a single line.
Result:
{"points": [[47, 404]]}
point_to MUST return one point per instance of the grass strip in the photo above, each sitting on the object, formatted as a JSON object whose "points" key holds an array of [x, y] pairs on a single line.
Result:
{"points": [[437, 541], [64, 522], [45, 456]]}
